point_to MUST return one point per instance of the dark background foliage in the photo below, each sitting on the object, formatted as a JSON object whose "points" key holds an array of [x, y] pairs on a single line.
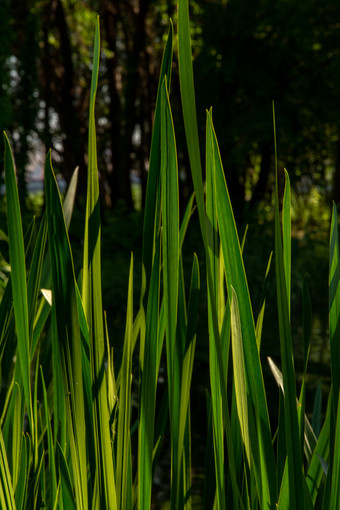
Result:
{"points": [[246, 53]]}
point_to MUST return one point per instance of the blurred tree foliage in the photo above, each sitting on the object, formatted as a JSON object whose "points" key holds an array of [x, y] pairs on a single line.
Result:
{"points": [[246, 53], [256, 51], [5, 50]]}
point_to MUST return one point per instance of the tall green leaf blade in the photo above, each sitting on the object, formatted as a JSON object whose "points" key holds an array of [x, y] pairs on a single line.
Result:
{"points": [[334, 338], [286, 234], [43, 308], [33, 284], [306, 320], [17, 436], [67, 321], [190, 123], [235, 275], [185, 221], [320, 456], [148, 387], [123, 465], [6, 315], [259, 321], [239, 374], [186, 80], [21, 489], [335, 487], [334, 303], [68, 205], [284, 496], [291, 418], [92, 301], [36, 417], [187, 368], [217, 375], [13, 422], [70, 197], [152, 199], [73, 449], [18, 275], [66, 483], [87, 384], [309, 440], [6, 489], [170, 237], [36, 492], [170, 222], [294, 465], [51, 452], [219, 318]]}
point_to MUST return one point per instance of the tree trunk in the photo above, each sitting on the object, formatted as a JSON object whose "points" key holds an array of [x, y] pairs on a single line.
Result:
{"points": [[74, 146], [25, 115], [109, 17], [131, 89]]}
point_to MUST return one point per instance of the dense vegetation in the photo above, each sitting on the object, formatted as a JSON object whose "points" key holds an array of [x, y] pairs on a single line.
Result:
{"points": [[80, 427]]}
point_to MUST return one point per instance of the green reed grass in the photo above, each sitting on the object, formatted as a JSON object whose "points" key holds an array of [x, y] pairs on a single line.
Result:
{"points": [[66, 434]]}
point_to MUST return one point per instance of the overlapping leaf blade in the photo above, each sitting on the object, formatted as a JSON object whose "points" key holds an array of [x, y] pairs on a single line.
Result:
{"points": [[123, 468], [67, 325], [188, 334], [18, 276], [6, 488], [152, 198], [170, 245], [149, 386], [217, 370], [189, 106], [235, 275], [334, 303], [240, 377], [282, 266], [51, 452], [92, 301]]}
